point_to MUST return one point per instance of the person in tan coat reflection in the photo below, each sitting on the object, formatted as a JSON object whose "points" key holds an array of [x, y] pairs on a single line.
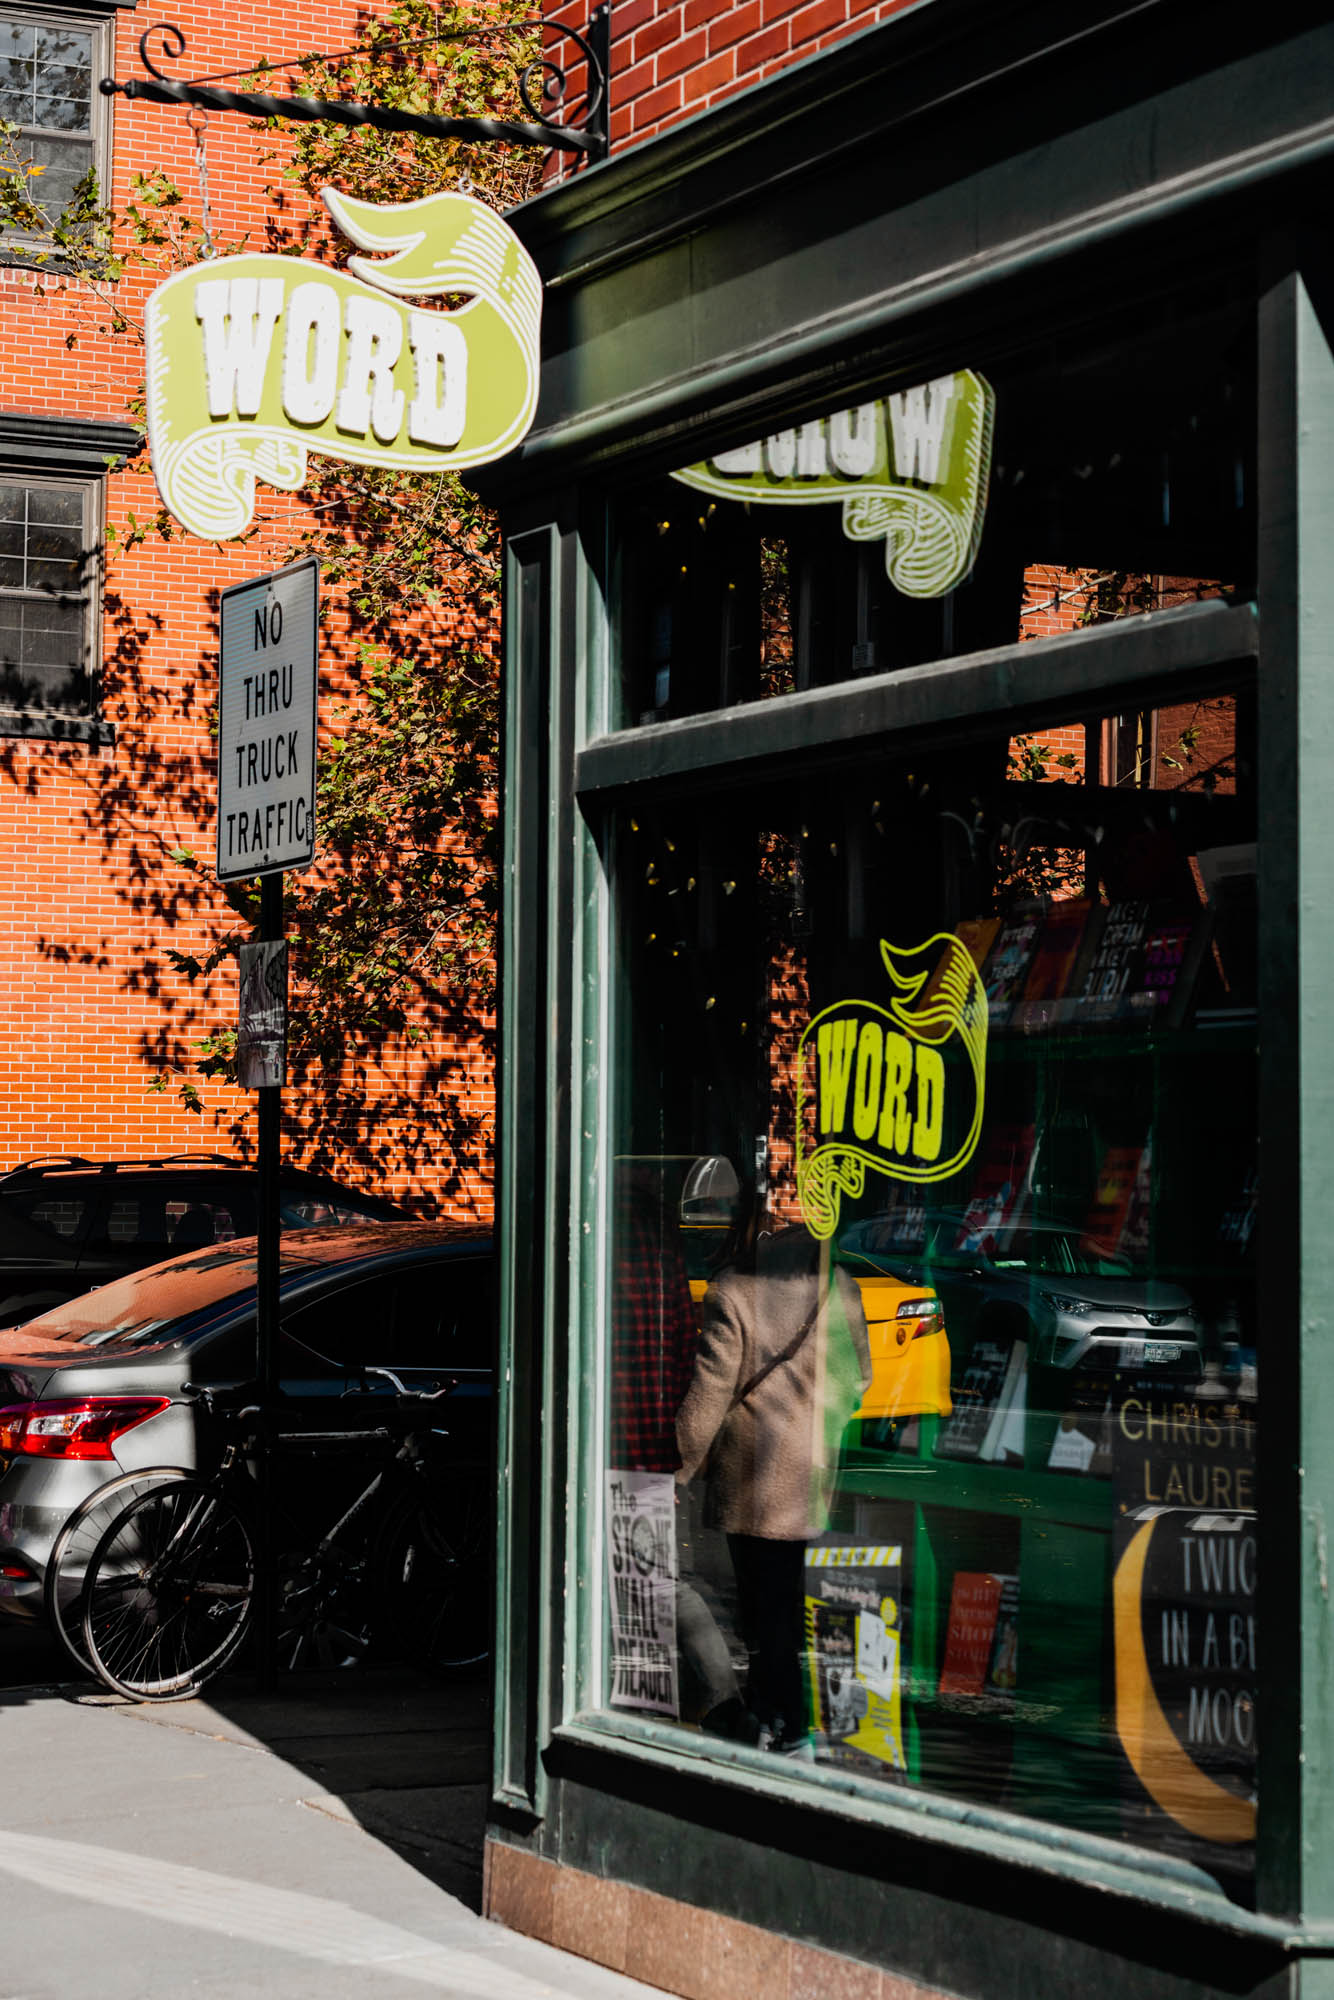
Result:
{"points": [[783, 1362]]}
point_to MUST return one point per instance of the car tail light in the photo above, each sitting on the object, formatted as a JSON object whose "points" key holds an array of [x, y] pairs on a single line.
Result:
{"points": [[74, 1426], [926, 1312]]}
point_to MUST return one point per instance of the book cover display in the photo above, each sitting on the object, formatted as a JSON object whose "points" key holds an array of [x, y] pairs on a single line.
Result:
{"points": [[1184, 1598], [854, 1654], [977, 1399], [1118, 1218], [1227, 877], [1083, 1440], [1006, 971], [982, 1637], [1143, 969], [1068, 940], [1000, 1191]]}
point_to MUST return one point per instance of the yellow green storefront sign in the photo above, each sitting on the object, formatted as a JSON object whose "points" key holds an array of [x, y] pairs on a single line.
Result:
{"points": [[256, 361]]}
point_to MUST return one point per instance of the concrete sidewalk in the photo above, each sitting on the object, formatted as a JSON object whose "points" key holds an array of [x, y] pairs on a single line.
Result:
{"points": [[324, 1841]]}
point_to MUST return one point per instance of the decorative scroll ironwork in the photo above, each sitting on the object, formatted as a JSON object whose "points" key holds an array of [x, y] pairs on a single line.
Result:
{"points": [[543, 84]]}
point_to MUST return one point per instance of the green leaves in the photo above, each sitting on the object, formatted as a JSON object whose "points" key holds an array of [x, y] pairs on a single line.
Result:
{"points": [[393, 929]]}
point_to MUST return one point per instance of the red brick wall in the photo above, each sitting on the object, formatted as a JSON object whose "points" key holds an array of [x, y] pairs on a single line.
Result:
{"points": [[670, 58], [89, 899]]}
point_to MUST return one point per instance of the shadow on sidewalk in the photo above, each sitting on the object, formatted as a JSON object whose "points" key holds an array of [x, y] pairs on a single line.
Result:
{"points": [[404, 1757]]}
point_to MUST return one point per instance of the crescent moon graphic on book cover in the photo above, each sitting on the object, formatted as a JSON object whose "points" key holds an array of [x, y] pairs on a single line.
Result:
{"points": [[1168, 1774]]}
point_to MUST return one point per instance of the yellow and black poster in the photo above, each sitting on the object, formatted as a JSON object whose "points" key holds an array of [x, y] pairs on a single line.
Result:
{"points": [[1185, 1636], [854, 1654]]}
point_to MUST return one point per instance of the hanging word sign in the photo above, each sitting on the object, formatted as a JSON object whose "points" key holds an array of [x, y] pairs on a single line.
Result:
{"points": [[641, 1585], [910, 469], [898, 1091], [254, 361]]}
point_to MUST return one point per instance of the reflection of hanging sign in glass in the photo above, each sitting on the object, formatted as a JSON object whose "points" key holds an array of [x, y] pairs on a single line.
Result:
{"points": [[254, 361], [898, 1091], [910, 469]]}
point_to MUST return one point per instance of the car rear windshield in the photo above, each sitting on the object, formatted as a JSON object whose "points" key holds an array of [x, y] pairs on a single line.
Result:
{"points": [[139, 1309]]}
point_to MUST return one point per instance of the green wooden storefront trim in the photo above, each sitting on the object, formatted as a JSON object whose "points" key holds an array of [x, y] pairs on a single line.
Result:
{"points": [[627, 1798], [1108, 1867]]}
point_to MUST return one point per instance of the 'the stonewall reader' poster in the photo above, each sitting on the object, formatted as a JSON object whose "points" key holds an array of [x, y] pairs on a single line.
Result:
{"points": [[854, 1650], [641, 1589]]}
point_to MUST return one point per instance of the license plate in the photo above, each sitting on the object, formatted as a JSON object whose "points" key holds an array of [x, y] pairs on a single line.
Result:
{"points": [[1162, 1350]]}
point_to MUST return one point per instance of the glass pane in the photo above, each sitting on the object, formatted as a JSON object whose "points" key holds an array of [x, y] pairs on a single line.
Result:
{"points": [[17, 40], [11, 570], [52, 539], [1013, 498], [337, 1328], [55, 187], [49, 648], [52, 574], [61, 1215], [60, 113], [442, 1317], [62, 687], [64, 49], [933, 1272], [62, 505]]}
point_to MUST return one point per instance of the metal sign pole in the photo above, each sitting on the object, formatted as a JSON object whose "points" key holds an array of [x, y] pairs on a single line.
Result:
{"points": [[270, 1126], [268, 715]]}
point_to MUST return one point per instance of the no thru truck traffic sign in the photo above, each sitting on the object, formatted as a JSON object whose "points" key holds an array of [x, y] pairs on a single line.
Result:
{"points": [[267, 707]]}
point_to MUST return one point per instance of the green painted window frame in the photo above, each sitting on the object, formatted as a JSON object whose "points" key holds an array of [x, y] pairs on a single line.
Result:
{"points": [[1292, 650]]}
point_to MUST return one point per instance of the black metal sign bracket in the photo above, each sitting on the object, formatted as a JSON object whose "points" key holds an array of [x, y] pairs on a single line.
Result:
{"points": [[543, 86]]}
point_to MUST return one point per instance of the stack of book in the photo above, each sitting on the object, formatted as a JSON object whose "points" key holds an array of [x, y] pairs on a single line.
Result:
{"points": [[1077, 963]]}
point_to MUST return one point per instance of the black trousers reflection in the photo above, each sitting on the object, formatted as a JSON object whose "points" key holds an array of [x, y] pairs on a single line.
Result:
{"points": [[770, 1585]]}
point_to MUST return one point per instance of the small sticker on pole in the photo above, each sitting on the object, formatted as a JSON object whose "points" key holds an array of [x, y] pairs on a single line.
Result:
{"points": [[261, 1044], [268, 705]]}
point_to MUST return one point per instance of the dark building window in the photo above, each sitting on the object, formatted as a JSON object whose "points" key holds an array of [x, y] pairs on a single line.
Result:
{"points": [[47, 540], [47, 98]]}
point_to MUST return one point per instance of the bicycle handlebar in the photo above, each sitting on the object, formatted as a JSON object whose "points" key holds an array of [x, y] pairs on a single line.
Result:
{"points": [[211, 1401]]}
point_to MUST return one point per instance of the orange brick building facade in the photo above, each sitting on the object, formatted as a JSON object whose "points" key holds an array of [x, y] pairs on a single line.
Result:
{"points": [[91, 901], [90, 897]]}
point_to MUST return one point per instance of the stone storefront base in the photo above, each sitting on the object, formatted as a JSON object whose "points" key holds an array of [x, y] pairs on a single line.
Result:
{"points": [[673, 1945]]}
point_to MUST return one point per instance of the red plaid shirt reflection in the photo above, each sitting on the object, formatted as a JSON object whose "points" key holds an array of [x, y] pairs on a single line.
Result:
{"points": [[653, 1328]]}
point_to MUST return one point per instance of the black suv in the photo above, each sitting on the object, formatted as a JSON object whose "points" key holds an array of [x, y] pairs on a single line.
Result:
{"points": [[68, 1224]]}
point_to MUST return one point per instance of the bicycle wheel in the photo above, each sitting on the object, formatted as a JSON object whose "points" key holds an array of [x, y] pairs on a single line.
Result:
{"points": [[72, 1550], [169, 1590], [434, 1564]]}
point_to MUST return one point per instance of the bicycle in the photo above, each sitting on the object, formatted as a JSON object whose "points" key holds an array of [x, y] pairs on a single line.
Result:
{"points": [[152, 1583]]}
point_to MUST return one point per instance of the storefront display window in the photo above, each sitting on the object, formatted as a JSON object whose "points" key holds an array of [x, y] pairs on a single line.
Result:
{"points": [[1016, 497], [933, 1326]]}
